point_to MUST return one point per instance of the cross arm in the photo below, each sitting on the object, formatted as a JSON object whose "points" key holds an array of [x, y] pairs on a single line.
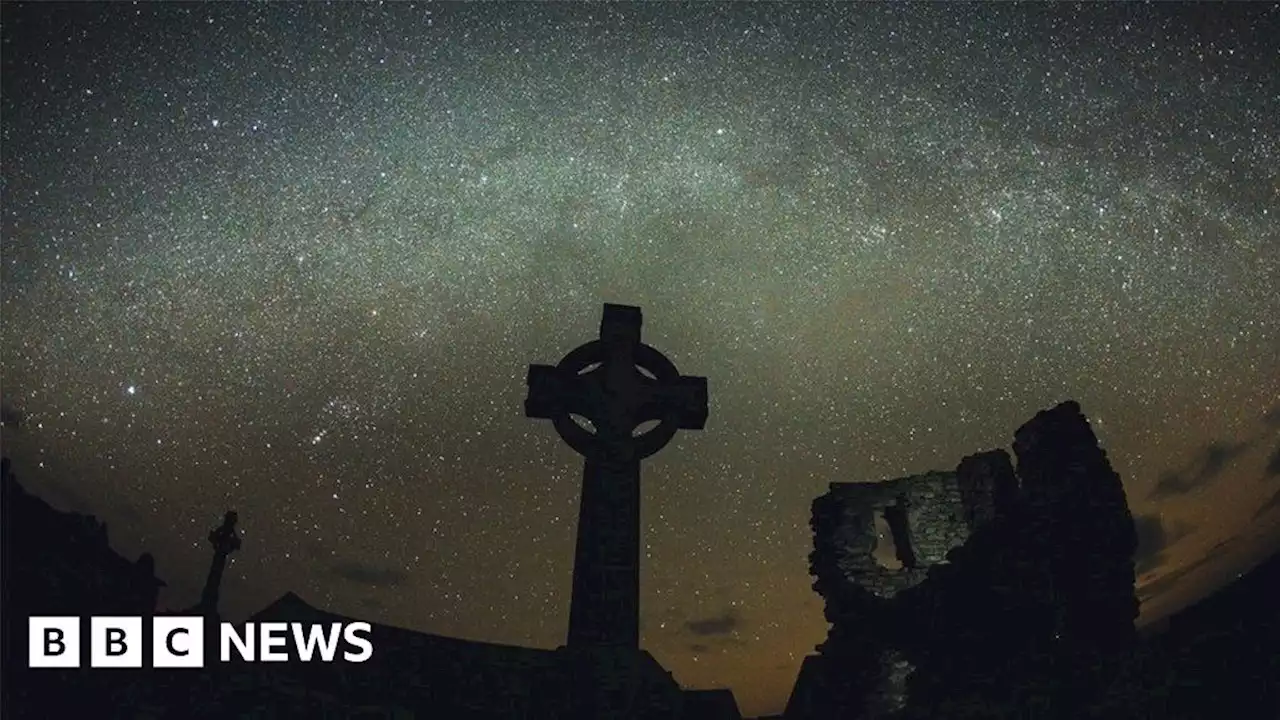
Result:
{"points": [[554, 391], [685, 399]]}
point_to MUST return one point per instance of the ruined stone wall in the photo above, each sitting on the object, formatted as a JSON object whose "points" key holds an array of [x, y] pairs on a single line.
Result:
{"points": [[988, 487], [1017, 565], [1078, 503], [937, 514], [929, 515]]}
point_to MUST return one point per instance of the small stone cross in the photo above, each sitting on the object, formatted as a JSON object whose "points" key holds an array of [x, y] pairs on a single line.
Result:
{"points": [[224, 541]]}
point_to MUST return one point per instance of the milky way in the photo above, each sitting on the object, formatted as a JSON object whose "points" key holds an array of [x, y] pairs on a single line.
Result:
{"points": [[296, 259]]}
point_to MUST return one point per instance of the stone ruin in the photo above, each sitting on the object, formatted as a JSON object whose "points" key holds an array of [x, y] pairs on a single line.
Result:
{"points": [[1014, 593]]}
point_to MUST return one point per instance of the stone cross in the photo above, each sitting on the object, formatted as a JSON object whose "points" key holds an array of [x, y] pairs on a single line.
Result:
{"points": [[616, 383], [224, 541]]}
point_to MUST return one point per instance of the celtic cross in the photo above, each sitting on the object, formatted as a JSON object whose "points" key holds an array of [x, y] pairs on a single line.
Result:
{"points": [[617, 383]]}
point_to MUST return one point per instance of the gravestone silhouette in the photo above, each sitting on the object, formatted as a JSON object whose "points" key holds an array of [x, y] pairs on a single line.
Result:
{"points": [[616, 383]]}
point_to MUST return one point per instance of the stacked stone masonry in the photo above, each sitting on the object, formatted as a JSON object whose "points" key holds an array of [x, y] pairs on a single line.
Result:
{"points": [[1002, 571]]}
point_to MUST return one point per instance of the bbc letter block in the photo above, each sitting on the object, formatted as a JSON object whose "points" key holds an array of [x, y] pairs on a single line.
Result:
{"points": [[53, 642], [115, 642], [177, 642]]}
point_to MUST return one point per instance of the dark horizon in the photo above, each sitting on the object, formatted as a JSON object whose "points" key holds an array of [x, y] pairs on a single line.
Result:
{"points": [[1001, 529], [294, 259]]}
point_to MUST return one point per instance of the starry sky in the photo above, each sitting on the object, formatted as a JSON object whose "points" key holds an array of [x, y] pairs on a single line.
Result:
{"points": [[295, 260]]}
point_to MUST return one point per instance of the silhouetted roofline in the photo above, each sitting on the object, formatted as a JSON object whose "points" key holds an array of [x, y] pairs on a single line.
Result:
{"points": [[290, 605]]}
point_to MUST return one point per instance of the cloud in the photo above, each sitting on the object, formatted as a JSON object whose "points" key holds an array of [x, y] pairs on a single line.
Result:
{"points": [[1221, 557], [1273, 465], [1171, 484], [1154, 538], [1217, 455], [1166, 582], [723, 624], [1268, 506], [365, 574], [354, 571], [1209, 463]]}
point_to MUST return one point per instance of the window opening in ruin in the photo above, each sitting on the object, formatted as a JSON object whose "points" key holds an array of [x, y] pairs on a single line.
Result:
{"points": [[899, 528], [886, 551]]}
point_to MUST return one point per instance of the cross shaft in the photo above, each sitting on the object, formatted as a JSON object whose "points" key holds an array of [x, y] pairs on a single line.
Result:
{"points": [[616, 383]]}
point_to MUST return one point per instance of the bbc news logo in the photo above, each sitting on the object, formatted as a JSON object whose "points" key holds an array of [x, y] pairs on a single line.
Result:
{"points": [[179, 642]]}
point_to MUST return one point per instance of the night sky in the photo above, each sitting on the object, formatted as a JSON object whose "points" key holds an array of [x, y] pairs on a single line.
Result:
{"points": [[296, 259]]}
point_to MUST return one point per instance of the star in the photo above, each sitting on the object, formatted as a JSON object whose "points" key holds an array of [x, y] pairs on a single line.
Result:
{"points": [[316, 259]]}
